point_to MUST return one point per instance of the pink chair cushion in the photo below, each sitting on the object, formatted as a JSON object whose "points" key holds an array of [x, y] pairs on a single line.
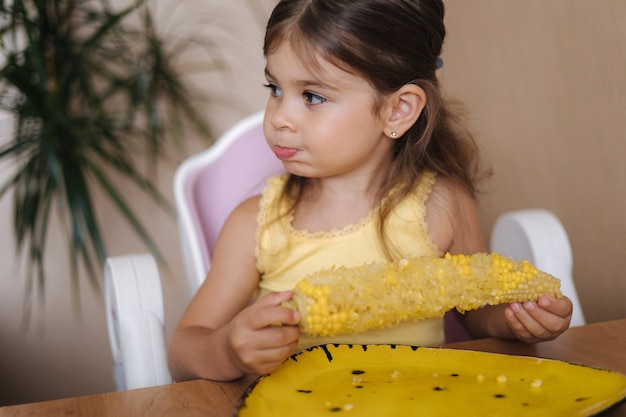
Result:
{"points": [[239, 173]]}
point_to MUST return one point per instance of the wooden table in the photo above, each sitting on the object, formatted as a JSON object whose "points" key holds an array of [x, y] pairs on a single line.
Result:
{"points": [[599, 344]]}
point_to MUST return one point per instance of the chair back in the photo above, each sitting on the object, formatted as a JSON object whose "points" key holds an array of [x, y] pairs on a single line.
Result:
{"points": [[210, 184]]}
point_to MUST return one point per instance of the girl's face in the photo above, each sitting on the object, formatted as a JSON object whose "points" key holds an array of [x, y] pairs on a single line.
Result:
{"points": [[321, 122]]}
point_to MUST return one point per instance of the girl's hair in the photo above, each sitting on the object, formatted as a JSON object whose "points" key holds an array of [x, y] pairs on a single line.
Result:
{"points": [[389, 43]]}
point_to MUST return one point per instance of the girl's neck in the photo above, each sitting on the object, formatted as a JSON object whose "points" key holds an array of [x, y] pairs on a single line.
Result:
{"points": [[334, 203]]}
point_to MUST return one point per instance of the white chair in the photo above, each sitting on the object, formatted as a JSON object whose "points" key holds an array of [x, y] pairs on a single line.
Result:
{"points": [[134, 305], [538, 236], [207, 187]]}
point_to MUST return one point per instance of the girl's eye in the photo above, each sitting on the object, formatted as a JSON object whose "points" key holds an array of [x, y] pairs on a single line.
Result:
{"points": [[275, 91], [313, 98]]}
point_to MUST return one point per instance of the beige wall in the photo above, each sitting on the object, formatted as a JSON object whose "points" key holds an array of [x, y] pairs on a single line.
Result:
{"points": [[544, 82]]}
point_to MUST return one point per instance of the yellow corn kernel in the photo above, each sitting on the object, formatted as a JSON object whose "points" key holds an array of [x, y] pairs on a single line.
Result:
{"points": [[352, 300]]}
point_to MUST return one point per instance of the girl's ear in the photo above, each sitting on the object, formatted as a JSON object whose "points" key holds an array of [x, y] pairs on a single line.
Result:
{"points": [[404, 108]]}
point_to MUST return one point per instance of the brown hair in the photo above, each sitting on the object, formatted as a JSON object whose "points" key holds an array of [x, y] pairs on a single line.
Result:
{"points": [[389, 43]]}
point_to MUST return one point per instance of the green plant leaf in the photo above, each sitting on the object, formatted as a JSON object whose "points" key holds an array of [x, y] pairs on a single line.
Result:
{"points": [[93, 92], [120, 202]]}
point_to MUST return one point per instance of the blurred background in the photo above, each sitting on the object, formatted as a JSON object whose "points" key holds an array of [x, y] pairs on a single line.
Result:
{"points": [[544, 83]]}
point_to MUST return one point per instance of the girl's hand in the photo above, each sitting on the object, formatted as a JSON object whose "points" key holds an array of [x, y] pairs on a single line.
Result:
{"points": [[263, 335], [539, 321]]}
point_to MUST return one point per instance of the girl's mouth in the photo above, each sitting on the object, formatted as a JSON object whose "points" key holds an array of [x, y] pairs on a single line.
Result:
{"points": [[284, 153]]}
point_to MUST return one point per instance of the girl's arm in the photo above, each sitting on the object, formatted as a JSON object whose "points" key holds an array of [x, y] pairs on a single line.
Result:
{"points": [[222, 336], [452, 218]]}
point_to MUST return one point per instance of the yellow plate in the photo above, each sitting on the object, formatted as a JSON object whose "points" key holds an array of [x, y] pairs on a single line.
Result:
{"points": [[387, 380]]}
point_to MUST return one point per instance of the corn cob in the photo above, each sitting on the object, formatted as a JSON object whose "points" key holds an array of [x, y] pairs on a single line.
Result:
{"points": [[352, 300]]}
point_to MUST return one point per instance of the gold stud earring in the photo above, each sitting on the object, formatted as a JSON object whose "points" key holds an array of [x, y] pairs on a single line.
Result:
{"points": [[393, 134]]}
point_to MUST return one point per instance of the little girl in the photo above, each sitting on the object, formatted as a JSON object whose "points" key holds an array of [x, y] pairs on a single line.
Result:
{"points": [[379, 169]]}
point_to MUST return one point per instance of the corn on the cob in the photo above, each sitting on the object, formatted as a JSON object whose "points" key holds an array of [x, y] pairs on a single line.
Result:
{"points": [[352, 300]]}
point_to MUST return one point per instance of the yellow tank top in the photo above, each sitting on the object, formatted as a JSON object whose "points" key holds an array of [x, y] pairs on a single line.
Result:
{"points": [[285, 255]]}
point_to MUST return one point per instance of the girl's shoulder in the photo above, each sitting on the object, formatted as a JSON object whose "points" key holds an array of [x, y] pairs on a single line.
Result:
{"points": [[440, 193], [446, 192], [451, 214], [245, 214], [252, 205]]}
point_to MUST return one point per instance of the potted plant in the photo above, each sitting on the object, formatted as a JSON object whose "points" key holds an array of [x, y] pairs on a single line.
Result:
{"points": [[91, 89]]}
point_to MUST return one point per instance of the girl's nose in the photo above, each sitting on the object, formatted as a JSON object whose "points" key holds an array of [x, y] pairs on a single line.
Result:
{"points": [[281, 115]]}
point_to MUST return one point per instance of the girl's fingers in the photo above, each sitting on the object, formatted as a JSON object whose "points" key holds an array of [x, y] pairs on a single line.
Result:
{"points": [[262, 351], [268, 310], [268, 360], [531, 322], [275, 298], [520, 322], [561, 307]]}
